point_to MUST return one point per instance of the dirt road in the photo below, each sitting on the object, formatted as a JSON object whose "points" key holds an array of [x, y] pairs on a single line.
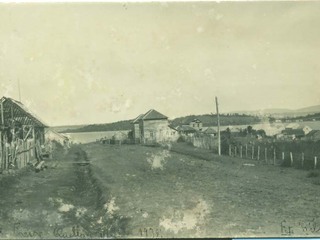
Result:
{"points": [[63, 201], [105, 191]]}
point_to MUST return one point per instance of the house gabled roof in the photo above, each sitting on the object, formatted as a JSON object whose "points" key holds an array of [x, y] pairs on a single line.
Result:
{"points": [[296, 132], [172, 127], [210, 130], [196, 120], [136, 120], [312, 133], [13, 109], [153, 115], [60, 135], [186, 129]]}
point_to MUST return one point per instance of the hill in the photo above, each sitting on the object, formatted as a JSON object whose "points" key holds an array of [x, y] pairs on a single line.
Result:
{"points": [[211, 120], [312, 109], [66, 127], [309, 117], [116, 126], [282, 112], [207, 120]]}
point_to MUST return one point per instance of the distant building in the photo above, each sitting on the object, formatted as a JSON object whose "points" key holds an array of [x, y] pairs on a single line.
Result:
{"points": [[291, 134], [186, 130], [210, 131], [51, 135], [196, 124], [305, 129], [153, 127], [313, 135]]}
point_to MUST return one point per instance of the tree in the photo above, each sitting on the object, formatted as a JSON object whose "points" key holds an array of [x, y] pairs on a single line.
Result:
{"points": [[249, 129]]}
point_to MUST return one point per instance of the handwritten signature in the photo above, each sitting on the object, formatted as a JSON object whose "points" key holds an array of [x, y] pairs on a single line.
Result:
{"points": [[308, 227]]}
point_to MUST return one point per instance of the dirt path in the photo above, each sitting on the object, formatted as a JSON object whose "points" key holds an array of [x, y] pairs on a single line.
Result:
{"points": [[63, 201], [105, 191], [167, 194]]}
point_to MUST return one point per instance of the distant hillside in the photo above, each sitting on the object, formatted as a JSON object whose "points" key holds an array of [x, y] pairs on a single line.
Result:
{"points": [[313, 109], [207, 120], [280, 112], [309, 117], [69, 127], [121, 125], [211, 120]]}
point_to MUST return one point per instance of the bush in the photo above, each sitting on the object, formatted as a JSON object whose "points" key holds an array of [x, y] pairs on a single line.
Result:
{"points": [[180, 139], [313, 174]]}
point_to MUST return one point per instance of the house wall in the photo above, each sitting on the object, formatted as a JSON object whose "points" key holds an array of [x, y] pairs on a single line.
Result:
{"points": [[157, 131], [39, 135], [136, 131], [196, 125], [316, 136], [306, 130]]}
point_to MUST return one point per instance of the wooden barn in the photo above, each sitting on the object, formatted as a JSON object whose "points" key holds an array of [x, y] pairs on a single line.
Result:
{"points": [[21, 135], [153, 127]]}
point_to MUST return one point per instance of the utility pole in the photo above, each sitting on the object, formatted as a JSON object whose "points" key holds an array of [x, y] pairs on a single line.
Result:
{"points": [[219, 138], [2, 117], [19, 90]]}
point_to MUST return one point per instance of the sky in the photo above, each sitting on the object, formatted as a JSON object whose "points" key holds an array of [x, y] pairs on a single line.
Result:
{"points": [[82, 63]]}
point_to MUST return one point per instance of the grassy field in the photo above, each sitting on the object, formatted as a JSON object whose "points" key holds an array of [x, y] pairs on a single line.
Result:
{"points": [[97, 190], [202, 195]]}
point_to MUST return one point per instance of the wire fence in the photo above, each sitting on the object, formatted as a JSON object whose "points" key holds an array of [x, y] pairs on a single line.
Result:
{"points": [[285, 154]]}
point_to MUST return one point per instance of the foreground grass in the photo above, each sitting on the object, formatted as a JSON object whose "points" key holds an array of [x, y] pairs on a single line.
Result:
{"points": [[200, 194]]}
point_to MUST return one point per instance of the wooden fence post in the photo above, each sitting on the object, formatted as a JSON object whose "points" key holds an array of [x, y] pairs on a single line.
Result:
{"points": [[315, 162], [229, 150], [282, 156], [7, 158], [274, 156], [265, 154], [252, 152], [241, 151], [302, 159], [246, 150], [291, 159], [235, 151], [258, 157], [0, 150]]}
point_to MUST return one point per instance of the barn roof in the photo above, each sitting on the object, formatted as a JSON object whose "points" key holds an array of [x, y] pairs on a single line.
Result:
{"points": [[13, 109], [153, 115]]}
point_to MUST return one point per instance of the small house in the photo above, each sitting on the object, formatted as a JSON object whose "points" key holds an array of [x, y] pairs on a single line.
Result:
{"points": [[153, 127], [51, 135], [291, 134], [186, 130], [210, 131], [196, 124]]}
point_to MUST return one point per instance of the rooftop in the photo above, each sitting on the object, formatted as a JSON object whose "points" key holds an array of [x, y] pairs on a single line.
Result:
{"points": [[15, 110]]}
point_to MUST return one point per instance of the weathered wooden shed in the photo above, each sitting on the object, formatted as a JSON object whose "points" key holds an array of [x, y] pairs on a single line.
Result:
{"points": [[21, 135]]}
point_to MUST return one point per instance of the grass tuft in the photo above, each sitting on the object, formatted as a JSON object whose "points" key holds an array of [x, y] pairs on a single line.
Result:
{"points": [[313, 174]]}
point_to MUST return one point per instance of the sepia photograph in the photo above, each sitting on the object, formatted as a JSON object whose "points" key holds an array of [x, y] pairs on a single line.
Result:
{"points": [[195, 119]]}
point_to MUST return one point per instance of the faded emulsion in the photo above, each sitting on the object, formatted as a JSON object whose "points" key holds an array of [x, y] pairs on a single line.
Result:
{"points": [[159, 120]]}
